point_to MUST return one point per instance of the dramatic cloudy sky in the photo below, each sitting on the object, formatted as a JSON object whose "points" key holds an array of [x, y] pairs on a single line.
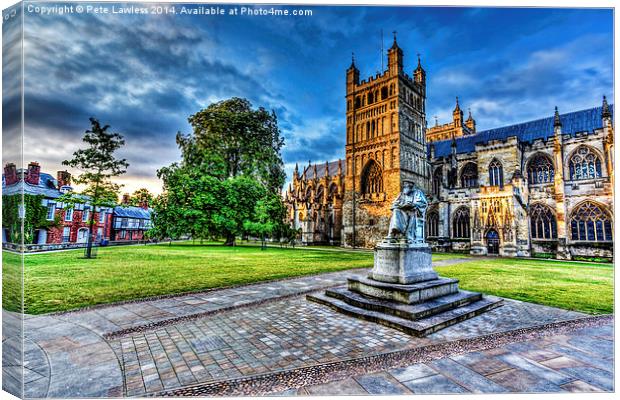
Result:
{"points": [[144, 75]]}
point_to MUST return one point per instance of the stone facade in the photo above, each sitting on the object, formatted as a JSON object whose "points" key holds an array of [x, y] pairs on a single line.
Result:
{"points": [[385, 145], [456, 128], [541, 187], [314, 200]]}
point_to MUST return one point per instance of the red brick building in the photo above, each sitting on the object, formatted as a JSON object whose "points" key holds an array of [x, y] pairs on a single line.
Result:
{"points": [[69, 224]]}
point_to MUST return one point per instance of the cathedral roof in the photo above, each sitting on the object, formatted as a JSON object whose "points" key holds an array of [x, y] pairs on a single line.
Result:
{"points": [[572, 123], [332, 168]]}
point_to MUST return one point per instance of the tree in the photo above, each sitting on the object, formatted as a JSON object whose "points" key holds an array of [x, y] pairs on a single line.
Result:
{"points": [[99, 164], [229, 164], [141, 196], [233, 139]]}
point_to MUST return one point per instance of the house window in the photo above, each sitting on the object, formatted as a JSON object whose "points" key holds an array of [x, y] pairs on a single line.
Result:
{"points": [[51, 209], [590, 222], [460, 223], [85, 214], [69, 214], [432, 228], [102, 216], [540, 170], [584, 164], [496, 173], [542, 222], [66, 234], [469, 176]]}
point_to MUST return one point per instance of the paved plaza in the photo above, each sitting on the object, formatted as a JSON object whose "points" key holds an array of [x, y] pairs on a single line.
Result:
{"points": [[268, 339]]}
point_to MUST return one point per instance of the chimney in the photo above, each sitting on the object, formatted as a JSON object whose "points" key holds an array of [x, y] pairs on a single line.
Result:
{"points": [[144, 203], [33, 174], [10, 174], [63, 178], [125, 200]]}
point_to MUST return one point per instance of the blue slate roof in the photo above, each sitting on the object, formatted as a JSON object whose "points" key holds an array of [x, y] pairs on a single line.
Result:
{"points": [[572, 123], [46, 187], [132, 212]]}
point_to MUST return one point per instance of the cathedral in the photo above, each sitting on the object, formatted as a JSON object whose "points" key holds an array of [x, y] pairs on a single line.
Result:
{"points": [[539, 188]]}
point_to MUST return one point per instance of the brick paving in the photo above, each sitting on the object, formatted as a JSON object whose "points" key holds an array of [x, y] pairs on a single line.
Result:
{"points": [[164, 344], [580, 361]]}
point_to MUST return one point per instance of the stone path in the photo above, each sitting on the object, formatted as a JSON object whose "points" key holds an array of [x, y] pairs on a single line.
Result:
{"points": [[162, 345], [581, 361]]}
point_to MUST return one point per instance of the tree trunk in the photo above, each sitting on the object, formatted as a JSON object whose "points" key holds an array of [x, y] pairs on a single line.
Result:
{"points": [[230, 239]]}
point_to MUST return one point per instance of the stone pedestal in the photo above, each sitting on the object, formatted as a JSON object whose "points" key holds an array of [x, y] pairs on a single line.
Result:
{"points": [[404, 292], [404, 263]]}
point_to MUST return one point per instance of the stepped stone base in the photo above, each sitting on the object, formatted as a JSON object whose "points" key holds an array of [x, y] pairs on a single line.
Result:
{"points": [[404, 292], [417, 320]]}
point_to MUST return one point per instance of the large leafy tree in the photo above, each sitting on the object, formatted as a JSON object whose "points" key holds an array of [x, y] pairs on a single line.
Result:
{"points": [[141, 196], [99, 165], [230, 163]]}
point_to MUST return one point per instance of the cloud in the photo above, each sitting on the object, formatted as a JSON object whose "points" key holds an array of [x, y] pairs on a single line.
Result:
{"points": [[144, 75]]}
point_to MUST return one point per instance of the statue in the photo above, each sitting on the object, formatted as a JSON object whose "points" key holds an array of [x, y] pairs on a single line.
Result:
{"points": [[408, 215]]}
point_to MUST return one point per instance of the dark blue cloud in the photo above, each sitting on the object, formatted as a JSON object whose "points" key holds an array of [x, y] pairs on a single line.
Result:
{"points": [[145, 75]]}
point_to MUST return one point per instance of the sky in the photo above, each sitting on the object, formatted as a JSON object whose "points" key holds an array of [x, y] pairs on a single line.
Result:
{"points": [[146, 74]]}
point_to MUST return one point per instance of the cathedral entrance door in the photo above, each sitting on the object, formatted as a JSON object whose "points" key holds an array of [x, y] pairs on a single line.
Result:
{"points": [[492, 241]]}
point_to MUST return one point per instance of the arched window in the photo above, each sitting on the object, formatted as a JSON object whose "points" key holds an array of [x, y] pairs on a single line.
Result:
{"points": [[372, 178], [437, 180], [369, 98], [384, 93], [584, 164], [333, 191], [358, 102], [319, 194], [460, 223], [540, 169], [542, 222], [469, 176], [496, 173], [591, 222], [432, 222]]}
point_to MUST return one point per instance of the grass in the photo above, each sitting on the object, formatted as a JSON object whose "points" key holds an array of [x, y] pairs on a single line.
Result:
{"points": [[585, 287], [63, 280]]}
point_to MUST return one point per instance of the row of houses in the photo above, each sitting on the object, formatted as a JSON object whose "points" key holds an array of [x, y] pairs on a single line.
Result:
{"points": [[67, 225]]}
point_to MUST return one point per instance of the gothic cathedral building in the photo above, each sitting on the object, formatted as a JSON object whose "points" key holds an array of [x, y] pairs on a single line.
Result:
{"points": [[538, 188]]}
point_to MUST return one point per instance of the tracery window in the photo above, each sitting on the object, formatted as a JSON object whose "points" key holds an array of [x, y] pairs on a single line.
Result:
{"points": [[469, 176], [432, 223], [540, 170], [584, 164], [319, 193], [437, 180], [542, 222], [460, 223], [591, 222], [496, 173], [372, 178]]}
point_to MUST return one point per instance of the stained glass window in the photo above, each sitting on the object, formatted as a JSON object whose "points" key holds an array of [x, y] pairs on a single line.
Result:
{"points": [[469, 176], [437, 179], [584, 164], [433, 224], [542, 222], [372, 178], [496, 173], [540, 170], [591, 222], [460, 223]]}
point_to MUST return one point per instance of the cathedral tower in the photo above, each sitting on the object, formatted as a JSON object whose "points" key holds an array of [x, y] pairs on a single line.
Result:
{"points": [[385, 145]]}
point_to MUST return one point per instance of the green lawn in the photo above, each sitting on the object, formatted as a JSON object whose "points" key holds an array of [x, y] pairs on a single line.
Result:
{"points": [[63, 280], [570, 285]]}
